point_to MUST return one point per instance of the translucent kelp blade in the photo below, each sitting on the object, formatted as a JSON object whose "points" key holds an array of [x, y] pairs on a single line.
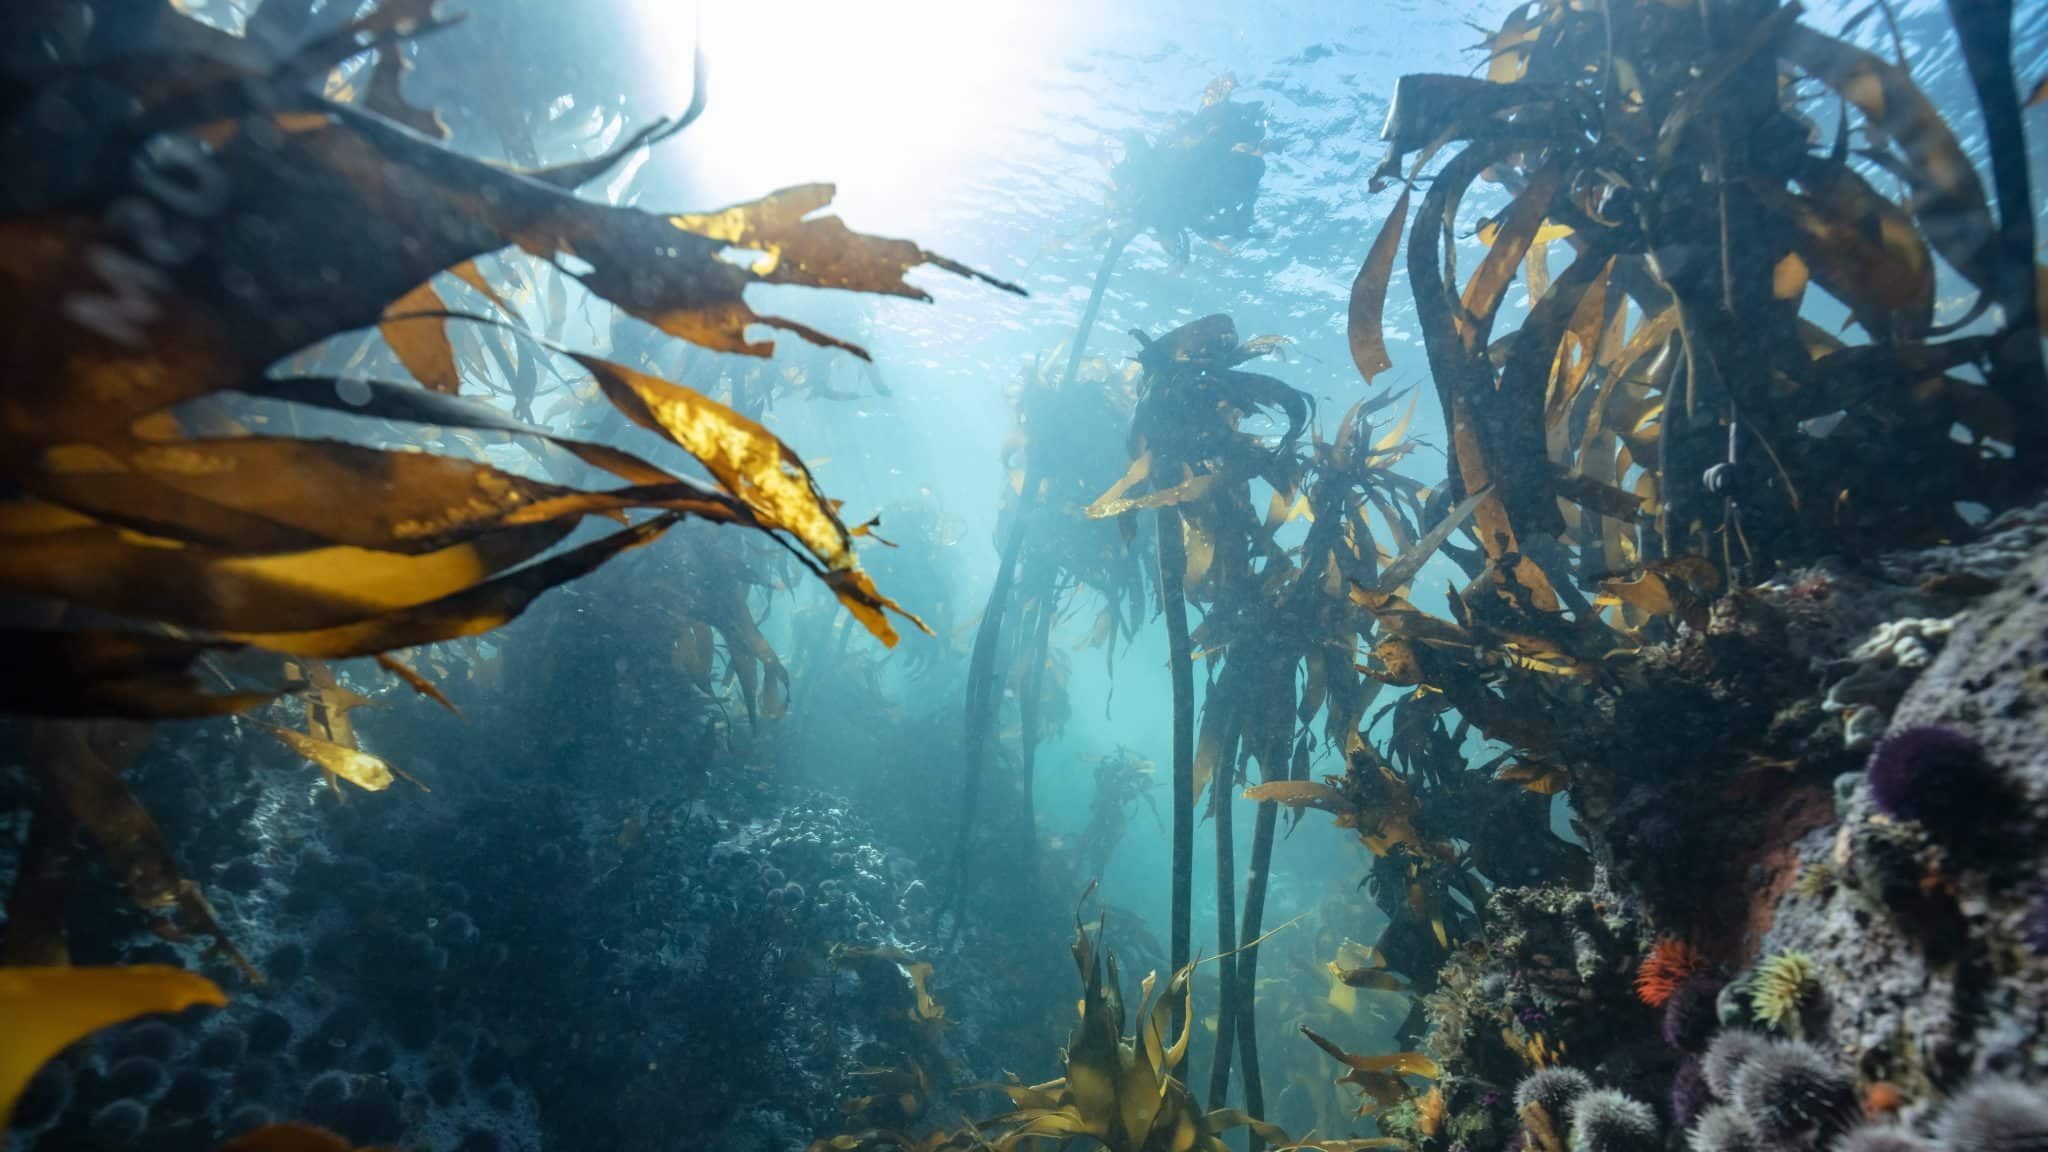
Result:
{"points": [[49, 1009], [262, 493], [415, 681], [1366, 327], [467, 613], [198, 587], [370, 773], [135, 849]]}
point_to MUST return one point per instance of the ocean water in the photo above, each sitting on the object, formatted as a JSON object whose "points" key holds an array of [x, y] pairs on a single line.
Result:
{"points": [[686, 871]]}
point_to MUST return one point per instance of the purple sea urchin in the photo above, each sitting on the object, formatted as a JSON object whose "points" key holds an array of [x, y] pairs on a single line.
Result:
{"points": [[1690, 1095], [1936, 776], [1605, 1120], [1555, 1089], [1996, 1116], [1883, 1138], [1723, 1128], [1726, 1056], [1693, 1013], [1795, 1097]]}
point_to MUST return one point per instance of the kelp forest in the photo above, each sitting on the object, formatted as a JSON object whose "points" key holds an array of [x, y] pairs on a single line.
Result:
{"points": [[1459, 577]]}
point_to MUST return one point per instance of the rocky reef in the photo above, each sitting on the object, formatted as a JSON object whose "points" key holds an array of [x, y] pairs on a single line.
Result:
{"points": [[1820, 917]]}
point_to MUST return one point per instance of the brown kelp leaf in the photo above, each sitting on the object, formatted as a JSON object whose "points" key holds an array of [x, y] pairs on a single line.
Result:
{"points": [[423, 348], [1542, 779], [415, 681], [135, 849], [797, 247], [49, 1009], [759, 470], [1297, 794], [1397, 574], [1489, 284], [264, 493], [467, 613], [1378, 1078], [1192, 488], [1864, 250], [1948, 196], [108, 672], [198, 587], [1365, 328], [359, 768]]}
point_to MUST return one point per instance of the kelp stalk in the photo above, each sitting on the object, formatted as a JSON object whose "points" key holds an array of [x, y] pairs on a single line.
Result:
{"points": [[1985, 32], [1223, 791], [982, 696], [1173, 570]]}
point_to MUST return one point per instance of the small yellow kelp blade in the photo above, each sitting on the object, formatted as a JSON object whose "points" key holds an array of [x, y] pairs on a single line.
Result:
{"points": [[49, 1009]]}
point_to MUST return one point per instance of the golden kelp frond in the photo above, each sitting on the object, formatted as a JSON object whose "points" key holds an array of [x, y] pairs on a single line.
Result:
{"points": [[49, 1009], [354, 765], [123, 334], [81, 764], [1377, 1078]]}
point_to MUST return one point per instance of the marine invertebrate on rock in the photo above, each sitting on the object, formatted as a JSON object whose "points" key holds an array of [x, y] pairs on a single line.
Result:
{"points": [[1882, 1099], [1693, 1013], [1779, 986], [1995, 1116], [1670, 963], [136, 1078], [1795, 1097], [1555, 1090], [1690, 1095], [1936, 776], [1726, 1056], [120, 1122], [1606, 1120], [1880, 670], [223, 1047], [1883, 1138], [1723, 1128]]}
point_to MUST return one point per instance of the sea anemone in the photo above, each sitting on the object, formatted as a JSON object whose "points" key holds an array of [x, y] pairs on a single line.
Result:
{"points": [[1690, 1095], [1670, 963], [1936, 776], [1795, 1097], [1996, 1116], [1882, 1099], [1883, 1138], [1726, 1056], [1693, 1013], [1781, 984], [1555, 1090], [1605, 1120], [1723, 1128]]}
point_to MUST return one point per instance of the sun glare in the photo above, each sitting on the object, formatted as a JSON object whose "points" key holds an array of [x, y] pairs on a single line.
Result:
{"points": [[892, 99]]}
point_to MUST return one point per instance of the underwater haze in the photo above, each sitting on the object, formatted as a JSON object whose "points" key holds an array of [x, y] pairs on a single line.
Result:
{"points": [[1156, 575]]}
